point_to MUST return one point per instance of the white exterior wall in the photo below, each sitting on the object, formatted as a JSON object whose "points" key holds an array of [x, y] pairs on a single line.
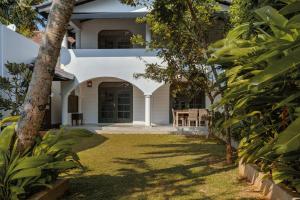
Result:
{"points": [[138, 106], [56, 103], [87, 64], [15, 48], [91, 29], [160, 114]]}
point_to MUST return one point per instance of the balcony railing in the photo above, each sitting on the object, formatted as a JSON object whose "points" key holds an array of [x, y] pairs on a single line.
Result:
{"points": [[113, 52]]}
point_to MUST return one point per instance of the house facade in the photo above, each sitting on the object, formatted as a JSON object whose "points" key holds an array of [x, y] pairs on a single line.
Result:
{"points": [[98, 63]]}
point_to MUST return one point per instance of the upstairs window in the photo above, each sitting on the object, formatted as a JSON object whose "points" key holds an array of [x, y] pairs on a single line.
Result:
{"points": [[114, 39]]}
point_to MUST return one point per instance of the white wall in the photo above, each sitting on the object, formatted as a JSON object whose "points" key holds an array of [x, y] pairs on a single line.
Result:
{"points": [[118, 63], [161, 106], [56, 103], [15, 48], [107, 6], [90, 30], [138, 106]]}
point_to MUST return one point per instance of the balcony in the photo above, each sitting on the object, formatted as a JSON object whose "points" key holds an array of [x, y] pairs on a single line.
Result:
{"points": [[113, 53]]}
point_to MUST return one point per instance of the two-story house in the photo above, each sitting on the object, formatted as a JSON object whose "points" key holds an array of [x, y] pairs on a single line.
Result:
{"points": [[103, 63]]}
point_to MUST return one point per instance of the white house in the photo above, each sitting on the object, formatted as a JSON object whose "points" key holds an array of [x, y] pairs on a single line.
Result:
{"points": [[102, 64]]}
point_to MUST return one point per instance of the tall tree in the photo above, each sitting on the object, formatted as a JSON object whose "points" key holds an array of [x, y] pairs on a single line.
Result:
{"points": [[182, 32], [14, 87], [40, 86]]}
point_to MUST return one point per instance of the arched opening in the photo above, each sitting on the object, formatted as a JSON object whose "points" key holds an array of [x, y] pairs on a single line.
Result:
{"points": [[115, 39], [115, 102]]}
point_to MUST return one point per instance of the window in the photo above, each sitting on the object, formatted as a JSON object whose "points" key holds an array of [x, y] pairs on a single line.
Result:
{"points": [[114, 39]]}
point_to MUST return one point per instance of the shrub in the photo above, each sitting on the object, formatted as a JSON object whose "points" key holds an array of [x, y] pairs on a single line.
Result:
{"points": [[22, 174], [262, 73]]}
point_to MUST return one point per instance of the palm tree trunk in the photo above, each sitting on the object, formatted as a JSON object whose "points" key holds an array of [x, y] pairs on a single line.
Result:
{"points": [[39, 89]]}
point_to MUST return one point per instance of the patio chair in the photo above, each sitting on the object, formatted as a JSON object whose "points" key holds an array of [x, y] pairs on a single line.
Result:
{"points": [[180, 119], [193, 117]]}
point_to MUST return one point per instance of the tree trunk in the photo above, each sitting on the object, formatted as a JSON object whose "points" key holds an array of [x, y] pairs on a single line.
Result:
{"points": [[39, 89], [229, 150], [211, 123]]}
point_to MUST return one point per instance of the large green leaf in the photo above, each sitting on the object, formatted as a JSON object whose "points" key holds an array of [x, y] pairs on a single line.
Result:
{"points": [[278, 67], [6, 137], [289, 140], [61, 165], [272, 16], [32, 162], [9, 120], [31, 172], [287, 100], [291, 8]]}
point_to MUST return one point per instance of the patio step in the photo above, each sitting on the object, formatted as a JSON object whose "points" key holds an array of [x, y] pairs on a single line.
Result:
{"points": [[133, 129]]}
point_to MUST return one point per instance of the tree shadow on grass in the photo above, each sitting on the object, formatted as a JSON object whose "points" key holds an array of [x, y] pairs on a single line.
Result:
{"points": [[90, 142], [137, 179]]}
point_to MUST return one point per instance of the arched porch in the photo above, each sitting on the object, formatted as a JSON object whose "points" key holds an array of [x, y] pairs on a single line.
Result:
{"points": [[115, 100]]}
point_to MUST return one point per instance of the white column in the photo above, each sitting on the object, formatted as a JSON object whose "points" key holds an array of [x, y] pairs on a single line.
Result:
{"points": [[65, 42], [148, 34], [148, 110], [64, 110], [78, 39]]}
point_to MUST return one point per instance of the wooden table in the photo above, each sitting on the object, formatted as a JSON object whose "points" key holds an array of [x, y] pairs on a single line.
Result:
{"points": [[180, 112]]}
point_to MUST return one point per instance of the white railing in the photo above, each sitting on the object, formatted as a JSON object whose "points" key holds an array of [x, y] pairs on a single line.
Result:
{"points": [[113, 52]]}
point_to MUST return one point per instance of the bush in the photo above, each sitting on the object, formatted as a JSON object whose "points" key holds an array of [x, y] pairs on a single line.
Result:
{"points": [[262, 81], [22, 174]]}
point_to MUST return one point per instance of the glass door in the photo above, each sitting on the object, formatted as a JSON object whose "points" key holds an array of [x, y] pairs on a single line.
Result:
{"points": [[115, 103], [107, 106], [124, 107]]}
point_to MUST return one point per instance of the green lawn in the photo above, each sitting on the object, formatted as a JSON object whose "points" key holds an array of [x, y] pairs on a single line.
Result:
{"points": [[155, 167]]}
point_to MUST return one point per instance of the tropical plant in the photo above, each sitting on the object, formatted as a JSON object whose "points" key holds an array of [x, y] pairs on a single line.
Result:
{"points": [[243, 10], [262, 80], [14, 87], [23, 173]]}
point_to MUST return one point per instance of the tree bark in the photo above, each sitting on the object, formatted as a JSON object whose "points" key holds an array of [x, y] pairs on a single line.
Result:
{"points": [[211, 123], [229, 149], [39, 90]]}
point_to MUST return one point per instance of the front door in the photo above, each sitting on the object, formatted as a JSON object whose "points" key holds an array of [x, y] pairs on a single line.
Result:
{"points": [[115, 103]]}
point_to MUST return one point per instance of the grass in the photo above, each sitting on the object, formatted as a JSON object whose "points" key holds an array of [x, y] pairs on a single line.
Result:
{"points": [[155, 167]]}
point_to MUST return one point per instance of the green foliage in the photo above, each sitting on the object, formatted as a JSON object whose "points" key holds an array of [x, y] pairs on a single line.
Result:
{"points": [[14, 87], [242, 11], [181, 32], [22, 174], [262, 78], [22, 14]]}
